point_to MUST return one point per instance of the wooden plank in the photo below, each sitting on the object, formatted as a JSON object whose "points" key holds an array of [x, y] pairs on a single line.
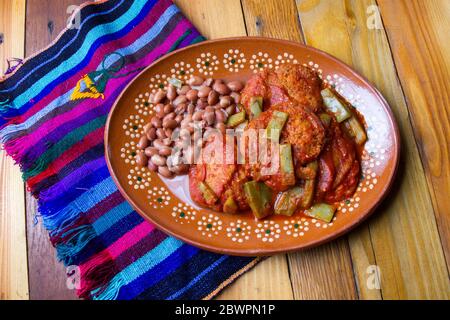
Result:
{"points": [[47, 275], [45, 20], [418, 32], [403, 232], [364, 262], [276, 19], [213, 18], [269, 280], [216, 20], [325, 272], [13, 244], [12, 26]]}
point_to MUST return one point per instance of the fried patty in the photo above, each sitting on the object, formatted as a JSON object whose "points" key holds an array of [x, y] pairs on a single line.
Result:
{"points": [[302, 130], [224, 179], [288, 82]]}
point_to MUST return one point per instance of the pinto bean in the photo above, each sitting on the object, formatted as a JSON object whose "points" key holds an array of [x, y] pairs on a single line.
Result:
{"points": [[186, 121], [179, 99], [158, 143], [153, 167], [168, 108], [171, 115], [158, 160], [192, 95], [160, 133], [221, 88], [209, 117], [168, 132], [141, 159], [235, 86], [225, 101], [230, 110], [183, 90], [159, 96], [167, 141], [179, 118], [171, 92], [170, 124], [195, 81], [180, 109], [201, 103], [147, 127], [190, 108], [198, 115], [151, 151], [159, 110], [208, 82], [210, 109], [203, 91], [236, 97], [165, 172], [213, 97], [151, 133], [143, 143], [156, 122], [165, 151], [220, 116]]}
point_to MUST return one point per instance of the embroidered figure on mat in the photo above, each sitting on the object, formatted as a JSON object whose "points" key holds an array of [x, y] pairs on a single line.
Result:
{"points": [[93, 84]]}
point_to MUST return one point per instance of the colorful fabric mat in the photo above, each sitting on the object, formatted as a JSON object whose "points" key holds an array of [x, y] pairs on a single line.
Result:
{"points": [[52, 115]]}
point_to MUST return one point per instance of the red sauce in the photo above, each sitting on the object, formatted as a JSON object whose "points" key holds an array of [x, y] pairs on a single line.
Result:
{"points": [[294, 90]]}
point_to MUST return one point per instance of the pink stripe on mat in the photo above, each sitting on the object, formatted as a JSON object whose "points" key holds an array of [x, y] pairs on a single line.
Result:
{"points": [[98, 269], [122, 244]]}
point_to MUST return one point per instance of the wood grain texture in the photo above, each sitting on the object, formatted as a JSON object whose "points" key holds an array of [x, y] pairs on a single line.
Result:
{"points": [[363, 257], [403, 231], [419, 32], [269, 280], [272, 18], [45, 20], [215, 20], [12, 29], [325, 272], [13, 245]]}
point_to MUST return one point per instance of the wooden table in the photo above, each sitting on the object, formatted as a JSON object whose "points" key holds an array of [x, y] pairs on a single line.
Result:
{"points": [[399, 45]]}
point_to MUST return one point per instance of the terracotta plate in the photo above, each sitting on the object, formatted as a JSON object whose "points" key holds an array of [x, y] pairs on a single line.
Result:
{"points": [[167, 202]]}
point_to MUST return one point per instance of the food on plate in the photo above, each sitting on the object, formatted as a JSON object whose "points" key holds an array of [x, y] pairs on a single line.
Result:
{"points": [[288, 82], [183, 111], [218, 184], [303, 129], [283, 143]]}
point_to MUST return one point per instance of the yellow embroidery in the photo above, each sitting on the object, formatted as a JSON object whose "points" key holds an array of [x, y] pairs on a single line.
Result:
{"points": [[91, 92], [96, 81]]}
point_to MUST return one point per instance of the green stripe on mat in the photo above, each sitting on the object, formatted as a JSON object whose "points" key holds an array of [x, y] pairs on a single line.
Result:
{"points": [[62, 146]]}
